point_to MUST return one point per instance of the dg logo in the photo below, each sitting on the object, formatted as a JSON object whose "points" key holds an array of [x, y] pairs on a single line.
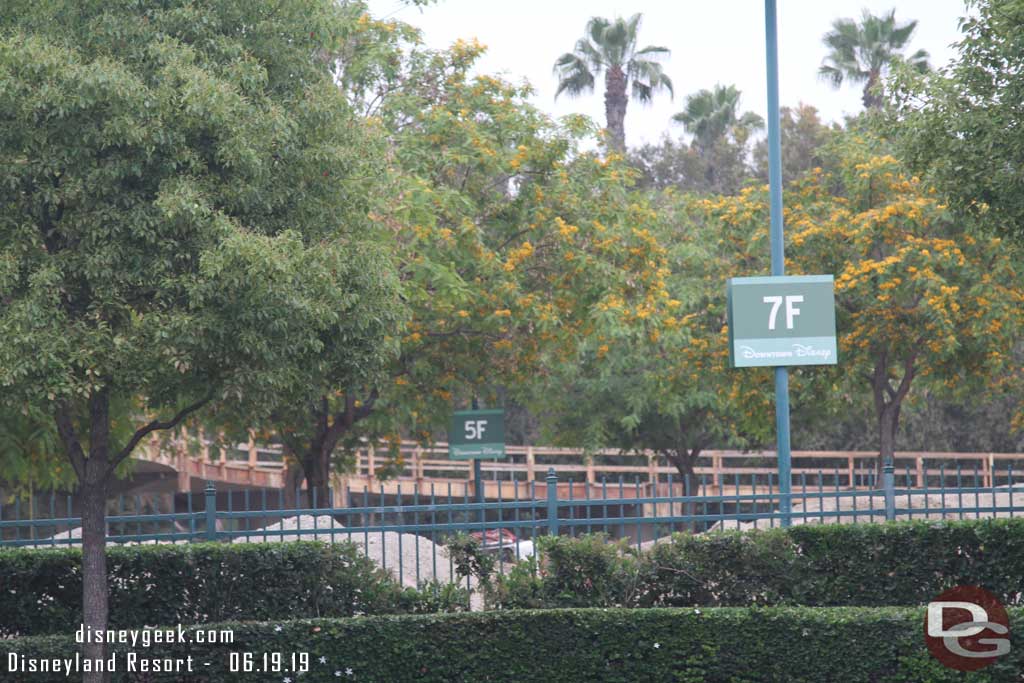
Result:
{"points": [[967, 628]]}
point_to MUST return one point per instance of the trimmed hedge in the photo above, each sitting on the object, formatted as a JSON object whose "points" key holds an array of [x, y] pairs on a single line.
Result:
{"points": [[41, 590], [718, 645], [901, 563]]}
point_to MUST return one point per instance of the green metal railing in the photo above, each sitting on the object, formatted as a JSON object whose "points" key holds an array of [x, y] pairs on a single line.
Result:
{"points": [[406, 532]]}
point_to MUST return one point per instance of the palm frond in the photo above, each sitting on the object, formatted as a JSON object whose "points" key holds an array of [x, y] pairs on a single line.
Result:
{"points": [[653, 51], [833, 74], [574, 77]]}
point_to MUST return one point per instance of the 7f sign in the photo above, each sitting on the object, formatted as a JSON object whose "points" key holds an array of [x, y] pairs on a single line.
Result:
{"points": [[477, 434], [782, 321]]}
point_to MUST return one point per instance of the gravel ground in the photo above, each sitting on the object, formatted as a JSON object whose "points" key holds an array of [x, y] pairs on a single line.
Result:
{"points": [[921, 504], [384, 551]]}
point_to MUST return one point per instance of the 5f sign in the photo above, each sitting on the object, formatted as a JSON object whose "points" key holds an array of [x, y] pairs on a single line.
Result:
{"points": [[781, 321], [475, 429], [477, 434]]}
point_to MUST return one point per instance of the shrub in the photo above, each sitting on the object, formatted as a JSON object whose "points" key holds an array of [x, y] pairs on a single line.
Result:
{"points": [[901, 563], [588, 571], [871, 565], [717, 645], [195, 583]]}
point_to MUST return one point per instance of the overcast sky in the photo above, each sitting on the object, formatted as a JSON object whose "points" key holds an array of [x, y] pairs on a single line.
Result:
{"points": [[712, 41]]}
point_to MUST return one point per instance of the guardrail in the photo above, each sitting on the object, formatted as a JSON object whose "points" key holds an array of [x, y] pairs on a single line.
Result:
{"points": [[383, 522]]}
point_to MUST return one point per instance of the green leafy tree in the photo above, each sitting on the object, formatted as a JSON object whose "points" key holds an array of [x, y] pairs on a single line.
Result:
{"points": [[804, 142], [175, 184], [610, 47], [29, 449], [721, 168], [962, 126], [863, 52], [710, 115]]}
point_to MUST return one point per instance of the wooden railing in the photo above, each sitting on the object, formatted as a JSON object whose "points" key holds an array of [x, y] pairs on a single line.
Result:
{"points": [[256, 465]]}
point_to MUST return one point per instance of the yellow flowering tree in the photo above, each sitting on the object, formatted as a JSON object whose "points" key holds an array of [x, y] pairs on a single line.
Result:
{"points": [[919, 299], [506, 237], [662, 382]]}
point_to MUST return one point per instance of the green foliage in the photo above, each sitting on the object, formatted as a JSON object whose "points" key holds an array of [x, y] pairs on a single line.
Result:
{"points": [[804, 141], [961, 125], [748, 645], [29, 447], [868, 565], [183, 208], [719, 168], [432, 597], [586, 572], [611, 44], [469, 558], [196, 583]]}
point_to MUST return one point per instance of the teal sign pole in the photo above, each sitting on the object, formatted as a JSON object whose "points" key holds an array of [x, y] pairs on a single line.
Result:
{"points": [[778, 252]]}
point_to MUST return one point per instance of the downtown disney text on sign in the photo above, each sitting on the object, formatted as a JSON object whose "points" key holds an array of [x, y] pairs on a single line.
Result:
{"points": [[477, 434], [781, 320]]}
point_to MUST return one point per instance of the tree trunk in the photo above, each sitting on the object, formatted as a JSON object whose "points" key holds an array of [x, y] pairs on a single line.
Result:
{"points": [[615, 102], [93, 473], [888, 423], [94, 571], [869, 98], [887, 404], [684, 462], [316, 467], [316, 462]]}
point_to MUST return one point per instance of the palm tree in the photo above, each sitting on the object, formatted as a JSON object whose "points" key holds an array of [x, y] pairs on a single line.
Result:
{"points": [[862, 52], [609, 47], [710, 115]]}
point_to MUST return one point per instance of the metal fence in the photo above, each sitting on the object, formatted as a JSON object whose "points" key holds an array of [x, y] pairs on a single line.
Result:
{"points": [[406, 532]]}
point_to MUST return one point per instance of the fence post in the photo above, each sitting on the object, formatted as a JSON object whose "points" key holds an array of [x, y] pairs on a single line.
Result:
{"points": [[211, 512], [254, 456], [889, 485], [552, 481]]}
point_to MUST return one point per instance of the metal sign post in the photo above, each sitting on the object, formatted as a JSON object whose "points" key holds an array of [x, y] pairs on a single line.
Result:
{"points": [[778, 253]]}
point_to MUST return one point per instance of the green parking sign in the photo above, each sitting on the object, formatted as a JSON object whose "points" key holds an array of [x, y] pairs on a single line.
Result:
{"points": [[477, 434], [781, 320]]}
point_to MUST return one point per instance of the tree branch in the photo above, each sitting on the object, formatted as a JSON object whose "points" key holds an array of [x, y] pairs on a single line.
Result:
{"points": [[72, 447], [908, 377], [153, 426]]}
